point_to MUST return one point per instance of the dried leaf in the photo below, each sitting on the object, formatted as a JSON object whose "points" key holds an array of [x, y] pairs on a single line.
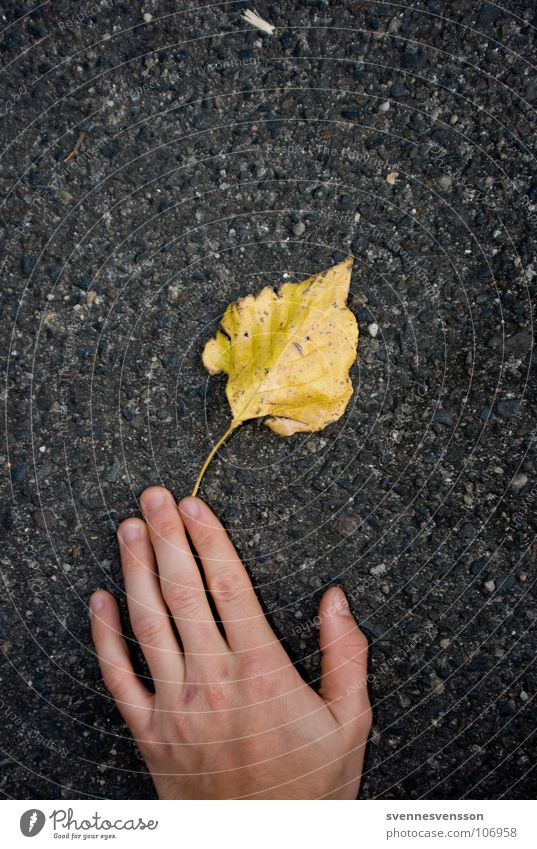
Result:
{"points": [[287, 354]]}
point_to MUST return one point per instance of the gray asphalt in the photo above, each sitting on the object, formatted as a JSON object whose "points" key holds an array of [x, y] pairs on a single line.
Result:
{"points": [[213, 160]]}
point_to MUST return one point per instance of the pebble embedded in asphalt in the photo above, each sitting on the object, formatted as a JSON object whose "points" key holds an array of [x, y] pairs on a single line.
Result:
{"points": [[519, 481]]}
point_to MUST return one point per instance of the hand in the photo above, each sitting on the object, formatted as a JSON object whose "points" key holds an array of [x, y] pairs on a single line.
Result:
{"points": [[230, 716]]}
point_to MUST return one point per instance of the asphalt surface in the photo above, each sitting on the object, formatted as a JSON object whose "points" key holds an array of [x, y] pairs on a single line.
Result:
{"points": [[216, 160]]}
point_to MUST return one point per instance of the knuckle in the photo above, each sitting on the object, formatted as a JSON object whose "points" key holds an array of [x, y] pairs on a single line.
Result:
{"points": [[130, 564], [353, 659], [358, 639], [117, 685], [255, 664], [185, 599], [355, 649], [182, 723], [150, 749], [227, 587], [218, 696], [148, 630], [264, 687], [206, 537], [166, 529]]}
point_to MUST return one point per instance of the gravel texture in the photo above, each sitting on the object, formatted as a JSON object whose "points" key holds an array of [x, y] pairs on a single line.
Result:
{"points": [[215, 160]]}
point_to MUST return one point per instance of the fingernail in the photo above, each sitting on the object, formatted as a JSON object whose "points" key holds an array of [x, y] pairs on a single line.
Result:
{"points": [[341, 604], [129, 531], [96, 602], [190, 506], [154, 498]]}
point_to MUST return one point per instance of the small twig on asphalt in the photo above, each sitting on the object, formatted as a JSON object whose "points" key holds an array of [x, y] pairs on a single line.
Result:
{"points": [[76, 148], [257, 21]]}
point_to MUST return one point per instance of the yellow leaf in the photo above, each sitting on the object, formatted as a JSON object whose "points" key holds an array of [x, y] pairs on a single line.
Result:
{"points": [[287, 354]]}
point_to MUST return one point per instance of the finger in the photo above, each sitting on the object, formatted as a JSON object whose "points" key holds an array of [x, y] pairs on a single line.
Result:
{"points": [[148, 613], [134, 702], [241, 614], [344, 661], [180, 579]]}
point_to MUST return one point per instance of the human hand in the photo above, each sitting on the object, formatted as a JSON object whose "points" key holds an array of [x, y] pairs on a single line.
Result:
{"points": [[230, 716]]}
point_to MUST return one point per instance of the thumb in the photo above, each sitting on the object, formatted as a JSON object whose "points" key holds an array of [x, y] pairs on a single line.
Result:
{"points": [[344, 660]]}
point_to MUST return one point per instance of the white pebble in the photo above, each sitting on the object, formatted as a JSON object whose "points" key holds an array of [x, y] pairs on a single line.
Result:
{"points": [[373, 329], [519, 481], [148, 17], [490, 586]]}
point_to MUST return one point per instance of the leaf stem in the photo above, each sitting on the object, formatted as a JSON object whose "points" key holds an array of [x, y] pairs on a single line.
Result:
{"points": [[234, 424]]}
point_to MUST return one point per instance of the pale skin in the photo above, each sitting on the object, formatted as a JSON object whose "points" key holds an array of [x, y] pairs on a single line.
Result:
{"points": [[230, 717]]}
